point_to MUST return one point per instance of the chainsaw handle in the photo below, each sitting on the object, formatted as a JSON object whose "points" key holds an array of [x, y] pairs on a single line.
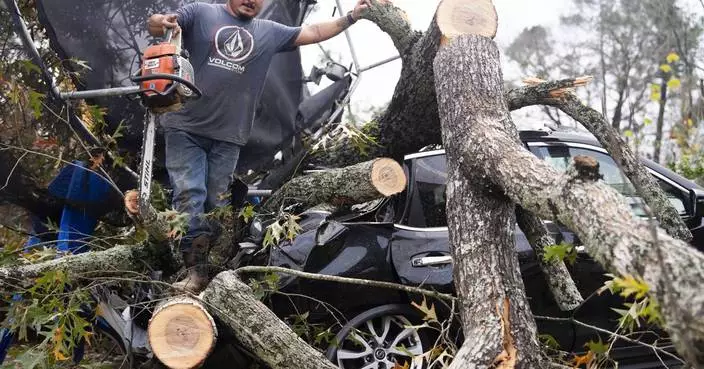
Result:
{"points": [[170, 77]]}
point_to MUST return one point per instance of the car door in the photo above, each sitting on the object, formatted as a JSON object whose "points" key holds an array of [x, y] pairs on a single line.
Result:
{"points": [[420, 248]]}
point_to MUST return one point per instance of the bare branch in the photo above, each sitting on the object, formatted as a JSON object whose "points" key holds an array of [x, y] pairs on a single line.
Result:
{"points": [[345, 280]]}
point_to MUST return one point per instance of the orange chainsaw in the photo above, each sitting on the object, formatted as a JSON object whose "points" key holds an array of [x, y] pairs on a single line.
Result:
{"points": [[162, 63], [165, 80]]}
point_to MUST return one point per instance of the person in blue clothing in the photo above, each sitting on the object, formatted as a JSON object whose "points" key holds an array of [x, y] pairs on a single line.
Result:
{"points": [[231, 51], [86, 196]]}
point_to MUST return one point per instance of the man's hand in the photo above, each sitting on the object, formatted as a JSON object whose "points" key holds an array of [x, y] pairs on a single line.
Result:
{"points": [[359, 9], [132, 202], [318, 32], [159, 23]]}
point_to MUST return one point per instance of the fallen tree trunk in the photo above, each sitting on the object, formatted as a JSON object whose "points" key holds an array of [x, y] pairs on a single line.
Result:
{"points": [[484, 145], [256, 327], [345, 186], [415, 101], [493, 307]]}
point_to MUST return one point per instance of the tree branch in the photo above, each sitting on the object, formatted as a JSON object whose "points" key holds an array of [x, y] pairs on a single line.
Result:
{"points": [[560, 282], [345, 280], [114, 261], [559, 94], [612, 334]]}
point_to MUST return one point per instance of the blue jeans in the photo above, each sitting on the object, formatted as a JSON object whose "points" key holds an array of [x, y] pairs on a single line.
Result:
{"points": [[200, 171]]}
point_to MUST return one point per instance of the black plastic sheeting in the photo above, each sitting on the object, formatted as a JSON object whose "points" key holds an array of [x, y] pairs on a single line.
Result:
{"points": [[108, 35]]}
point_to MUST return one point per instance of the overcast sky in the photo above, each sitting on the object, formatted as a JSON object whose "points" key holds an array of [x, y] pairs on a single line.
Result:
{"points": [[372, 45]]}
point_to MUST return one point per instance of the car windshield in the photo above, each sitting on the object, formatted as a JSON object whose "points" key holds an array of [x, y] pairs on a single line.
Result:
{"points": [[560, 157]]}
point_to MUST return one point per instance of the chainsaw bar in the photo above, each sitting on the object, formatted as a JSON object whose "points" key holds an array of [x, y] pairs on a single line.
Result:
{"points": [[145, 171]]}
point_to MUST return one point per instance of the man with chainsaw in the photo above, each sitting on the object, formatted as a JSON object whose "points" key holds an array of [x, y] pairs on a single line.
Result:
{"points": [[230, 51]]}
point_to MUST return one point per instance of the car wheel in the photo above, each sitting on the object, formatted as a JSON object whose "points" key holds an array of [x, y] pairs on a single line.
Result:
{"points": [[380, 338]]}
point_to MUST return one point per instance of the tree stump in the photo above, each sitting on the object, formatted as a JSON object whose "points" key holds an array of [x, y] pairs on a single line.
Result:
{"points": [[182, 333]]}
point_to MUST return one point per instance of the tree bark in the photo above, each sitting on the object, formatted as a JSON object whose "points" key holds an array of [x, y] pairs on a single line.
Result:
{"points": [[256, 327], [616, 119], [356, 184], [486, 147], [495, 314], [554, 93]]}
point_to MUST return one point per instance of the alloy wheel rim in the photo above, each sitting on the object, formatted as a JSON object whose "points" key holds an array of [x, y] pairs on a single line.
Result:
{"points": [[381, 343]]}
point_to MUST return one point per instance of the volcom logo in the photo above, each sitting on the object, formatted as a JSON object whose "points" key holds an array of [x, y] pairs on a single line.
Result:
{"points": [[234, 43]]}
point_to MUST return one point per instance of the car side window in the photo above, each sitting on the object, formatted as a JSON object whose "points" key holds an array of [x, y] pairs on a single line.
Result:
{"points": [[560, 157], [676, 197], [427, 197]]}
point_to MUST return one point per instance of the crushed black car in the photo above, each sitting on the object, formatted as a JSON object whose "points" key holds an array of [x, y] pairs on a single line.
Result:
{"points": [[404, 239]]}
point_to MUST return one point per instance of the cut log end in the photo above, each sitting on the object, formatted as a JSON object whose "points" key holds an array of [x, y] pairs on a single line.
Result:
{"points": [[182, 333], [587, 168], [388, 176], [463, 17]]}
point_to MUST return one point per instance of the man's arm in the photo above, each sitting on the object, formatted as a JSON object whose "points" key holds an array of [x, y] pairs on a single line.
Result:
{"points": [[314, 33], [158, 23]]}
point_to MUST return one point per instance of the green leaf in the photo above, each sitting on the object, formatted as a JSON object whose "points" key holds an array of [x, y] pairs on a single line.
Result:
{"points": [[549, 341], [81, 63], [118, 132], [651, 312], [177, 222], [597, 347], [556, 253], [630, 285], [247, 212], [273, 235], [324, 336], [272, 281], [39, 255], [118, 161], [35, 103], [647, 121], [628, 133], [30, 67]]}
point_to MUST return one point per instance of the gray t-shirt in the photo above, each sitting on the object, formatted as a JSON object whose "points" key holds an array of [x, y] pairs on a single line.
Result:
{"points": [[230, 57]]}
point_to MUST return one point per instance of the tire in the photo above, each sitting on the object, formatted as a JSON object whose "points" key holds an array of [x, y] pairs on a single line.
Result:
{"points": [[371, 340]]}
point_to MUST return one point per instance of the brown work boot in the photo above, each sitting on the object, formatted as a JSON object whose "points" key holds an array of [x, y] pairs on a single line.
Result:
{"points": [[196, 260]]}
